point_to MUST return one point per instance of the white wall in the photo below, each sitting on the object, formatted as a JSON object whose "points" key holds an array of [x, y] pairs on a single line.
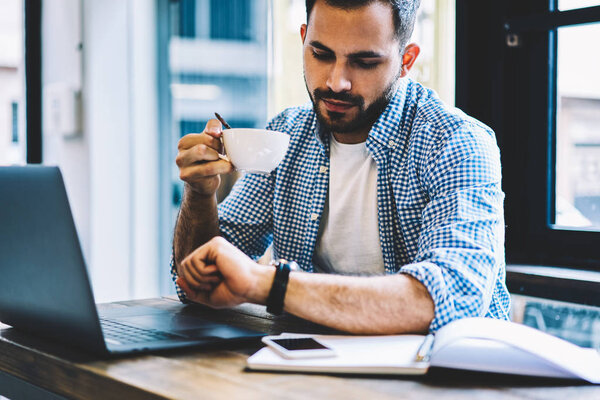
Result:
{"points": [[145, 151], [111, 169], [61, 61]]}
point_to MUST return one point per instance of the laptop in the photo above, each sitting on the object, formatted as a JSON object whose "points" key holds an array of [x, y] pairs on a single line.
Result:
{"points": [[45, 288]]}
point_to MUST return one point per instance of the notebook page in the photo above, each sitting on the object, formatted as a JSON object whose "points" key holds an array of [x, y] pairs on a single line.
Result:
{"points": [[522, 345]]}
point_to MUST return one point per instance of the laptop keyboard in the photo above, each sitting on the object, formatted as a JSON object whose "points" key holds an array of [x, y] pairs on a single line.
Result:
{"points": [[577, 324], [120, 333]]}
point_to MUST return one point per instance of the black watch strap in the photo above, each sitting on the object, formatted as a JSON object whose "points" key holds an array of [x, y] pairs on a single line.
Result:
{"points": [[279, 287]]}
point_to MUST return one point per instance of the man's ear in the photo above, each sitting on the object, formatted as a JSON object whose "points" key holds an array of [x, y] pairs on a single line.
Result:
{"points": [[411, 52], [303, 32]]}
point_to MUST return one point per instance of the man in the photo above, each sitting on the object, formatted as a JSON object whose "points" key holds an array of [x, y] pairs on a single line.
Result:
{"points": [[393, 195]]}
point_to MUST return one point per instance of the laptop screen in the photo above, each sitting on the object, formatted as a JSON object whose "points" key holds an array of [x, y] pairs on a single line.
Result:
{"points": [[44, 285]]}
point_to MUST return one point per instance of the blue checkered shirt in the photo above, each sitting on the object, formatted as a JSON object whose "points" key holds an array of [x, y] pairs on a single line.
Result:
{"points": [[439, 198]]}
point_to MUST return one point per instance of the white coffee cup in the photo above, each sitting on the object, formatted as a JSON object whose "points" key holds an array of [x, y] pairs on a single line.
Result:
{"points": [[255, 150]]}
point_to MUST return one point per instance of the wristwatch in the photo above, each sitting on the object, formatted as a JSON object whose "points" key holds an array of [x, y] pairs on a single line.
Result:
{"points": [[279, 287]]}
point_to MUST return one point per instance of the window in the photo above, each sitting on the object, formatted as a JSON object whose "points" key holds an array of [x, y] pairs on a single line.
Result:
{"points": [[564, 5], [435, 34], [529, 70], [12, 82], [577, 186], [204, 41]]}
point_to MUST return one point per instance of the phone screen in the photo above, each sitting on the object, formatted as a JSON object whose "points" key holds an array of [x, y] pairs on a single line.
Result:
{"points": [[300, 344]]}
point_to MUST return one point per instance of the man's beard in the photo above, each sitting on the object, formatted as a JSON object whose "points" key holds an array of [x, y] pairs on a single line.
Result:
{"points": [[364, 119]]}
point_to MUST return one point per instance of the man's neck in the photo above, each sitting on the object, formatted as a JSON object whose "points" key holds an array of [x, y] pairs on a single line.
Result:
{"points": [[352, 137]]}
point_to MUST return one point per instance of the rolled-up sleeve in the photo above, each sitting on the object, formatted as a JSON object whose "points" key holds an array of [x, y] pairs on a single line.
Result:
{"points": [[460, 257]]}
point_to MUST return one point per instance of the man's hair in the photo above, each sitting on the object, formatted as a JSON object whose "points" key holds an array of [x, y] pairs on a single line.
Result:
{"points": [[404, 14]]}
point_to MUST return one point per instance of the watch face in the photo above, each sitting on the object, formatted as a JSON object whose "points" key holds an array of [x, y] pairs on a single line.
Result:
{"points": [[292, 264]]}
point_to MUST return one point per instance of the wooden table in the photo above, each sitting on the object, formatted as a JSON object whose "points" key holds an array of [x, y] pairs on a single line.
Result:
{"points": [[34, 368]]}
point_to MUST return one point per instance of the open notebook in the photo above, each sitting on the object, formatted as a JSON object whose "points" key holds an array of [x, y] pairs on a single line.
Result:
{"points": [[477, 344]]}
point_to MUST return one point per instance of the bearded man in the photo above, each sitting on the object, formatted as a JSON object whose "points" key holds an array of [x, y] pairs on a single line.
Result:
{"points": [[388, 200]]}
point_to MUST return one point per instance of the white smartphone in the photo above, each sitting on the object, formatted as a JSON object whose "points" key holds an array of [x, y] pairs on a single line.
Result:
{"points": [[294, 347]]}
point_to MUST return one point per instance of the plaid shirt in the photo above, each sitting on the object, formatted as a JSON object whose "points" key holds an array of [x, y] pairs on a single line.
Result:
{"points": [[439, 198]]}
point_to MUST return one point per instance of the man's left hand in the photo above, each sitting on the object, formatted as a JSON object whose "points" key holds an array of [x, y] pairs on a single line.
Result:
{"points": [[219, 275]]}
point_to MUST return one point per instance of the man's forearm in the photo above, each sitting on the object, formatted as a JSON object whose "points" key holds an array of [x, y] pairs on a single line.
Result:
{"points": [[197, 223], [368, 305]]}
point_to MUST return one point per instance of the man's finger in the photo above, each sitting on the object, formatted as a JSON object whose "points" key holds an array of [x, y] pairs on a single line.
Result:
{"points": [[196, 154], [193, 272], [207, 270], [212, 279], [213, 128], [202, 273], [193, 295], [189, 279], [192, 139], [196, 172], [197, 281]]}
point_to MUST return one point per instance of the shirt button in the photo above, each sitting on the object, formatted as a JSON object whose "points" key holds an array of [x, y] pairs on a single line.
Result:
{"points": [[314, 217], [323, 169], [392, 143]]}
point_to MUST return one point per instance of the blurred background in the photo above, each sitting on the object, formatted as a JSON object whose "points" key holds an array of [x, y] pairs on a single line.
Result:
{"points": [[123, 80]]}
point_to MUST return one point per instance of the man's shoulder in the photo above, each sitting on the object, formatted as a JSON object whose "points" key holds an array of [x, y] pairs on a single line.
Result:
{"points": [[434, 114], [292, 118], [436, 125]]}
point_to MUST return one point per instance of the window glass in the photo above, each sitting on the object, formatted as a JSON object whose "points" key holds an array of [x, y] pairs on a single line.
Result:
{"points": [[564, 5], [435, 34], [218, 62], [577, 201], [12, 82], [287, 88]]}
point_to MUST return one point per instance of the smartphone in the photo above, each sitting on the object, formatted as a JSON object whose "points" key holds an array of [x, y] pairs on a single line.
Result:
{"points": [[293, 347]]}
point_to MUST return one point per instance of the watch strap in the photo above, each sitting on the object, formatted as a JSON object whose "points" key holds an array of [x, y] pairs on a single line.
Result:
{"points": [[279, 287]]}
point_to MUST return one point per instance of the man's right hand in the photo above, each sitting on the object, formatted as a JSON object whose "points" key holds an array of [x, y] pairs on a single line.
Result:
{"points": [[198, 159]]}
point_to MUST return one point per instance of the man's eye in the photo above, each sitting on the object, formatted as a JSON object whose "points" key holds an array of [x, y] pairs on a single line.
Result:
{"points": [[322, 56], [366, 64]]}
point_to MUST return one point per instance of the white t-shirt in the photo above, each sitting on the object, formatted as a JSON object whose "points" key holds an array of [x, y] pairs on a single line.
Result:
{"points": [[348, 240]]}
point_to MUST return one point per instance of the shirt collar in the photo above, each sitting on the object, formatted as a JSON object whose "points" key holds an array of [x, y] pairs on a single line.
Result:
{"points": [[385, 129], [322, 135]]}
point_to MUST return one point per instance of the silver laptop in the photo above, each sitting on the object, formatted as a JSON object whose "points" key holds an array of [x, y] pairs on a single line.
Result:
{"points": [[45, 289]]}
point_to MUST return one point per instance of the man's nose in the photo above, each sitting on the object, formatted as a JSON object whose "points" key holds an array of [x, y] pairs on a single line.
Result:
{"points": [[338, 80]]}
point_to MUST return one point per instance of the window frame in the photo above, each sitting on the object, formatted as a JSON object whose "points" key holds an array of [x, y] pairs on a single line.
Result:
{"points": [[506, 77], [33, 80]]}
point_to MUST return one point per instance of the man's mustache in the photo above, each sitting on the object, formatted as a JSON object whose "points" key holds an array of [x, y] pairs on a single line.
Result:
{"points": [[343, 96]]}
